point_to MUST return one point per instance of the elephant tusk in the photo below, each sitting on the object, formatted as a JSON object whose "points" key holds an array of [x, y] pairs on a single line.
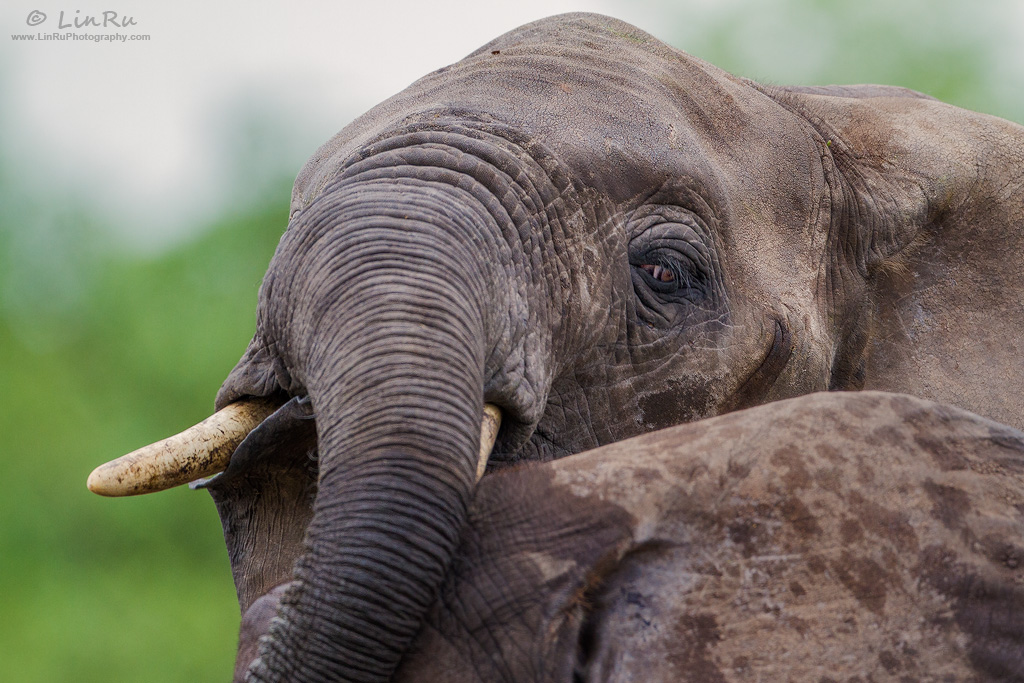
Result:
{"points": [[205, 449], [199, 451], [488, 433]]}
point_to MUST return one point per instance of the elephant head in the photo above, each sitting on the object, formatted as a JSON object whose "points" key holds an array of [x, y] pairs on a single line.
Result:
{"points": [[600, 236]]}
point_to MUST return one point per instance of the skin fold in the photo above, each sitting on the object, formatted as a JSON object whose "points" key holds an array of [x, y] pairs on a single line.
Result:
{"points": [[603, 237]]}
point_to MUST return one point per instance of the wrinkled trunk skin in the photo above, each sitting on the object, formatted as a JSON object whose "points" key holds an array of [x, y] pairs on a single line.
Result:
{"points": [[388, 340], [417, 283]]}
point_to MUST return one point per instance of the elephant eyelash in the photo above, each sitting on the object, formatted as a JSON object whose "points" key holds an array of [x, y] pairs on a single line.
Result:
{"points": [[669, 276], [659, 272]]}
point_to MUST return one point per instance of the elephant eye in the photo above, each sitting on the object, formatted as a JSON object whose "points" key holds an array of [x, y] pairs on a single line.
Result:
{"points": [[660, 273], [672, 264], [672, 275]]}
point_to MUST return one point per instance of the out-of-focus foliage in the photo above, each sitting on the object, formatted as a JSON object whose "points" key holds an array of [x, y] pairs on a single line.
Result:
{"points": [[964, 53], [101, 352], [101, 355]]}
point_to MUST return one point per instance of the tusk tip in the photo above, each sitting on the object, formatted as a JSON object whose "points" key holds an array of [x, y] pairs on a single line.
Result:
{"points": [[100, 484], [197, 452]]}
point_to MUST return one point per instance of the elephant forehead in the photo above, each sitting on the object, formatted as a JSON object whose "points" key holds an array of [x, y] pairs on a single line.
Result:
{"points": [[623, 111]]}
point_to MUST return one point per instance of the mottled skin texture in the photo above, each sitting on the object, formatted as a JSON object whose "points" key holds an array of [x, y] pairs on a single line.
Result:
{"points": [[823, 538], [494, 233]]}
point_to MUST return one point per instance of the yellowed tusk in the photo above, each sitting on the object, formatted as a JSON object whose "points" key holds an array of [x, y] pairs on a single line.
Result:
{"points": [[488, 433], [205, 449], [199, 451]]}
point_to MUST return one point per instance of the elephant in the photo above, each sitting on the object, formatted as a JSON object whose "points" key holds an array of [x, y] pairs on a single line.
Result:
{"points": [[835, 536], [593, 236], [847, 536]]}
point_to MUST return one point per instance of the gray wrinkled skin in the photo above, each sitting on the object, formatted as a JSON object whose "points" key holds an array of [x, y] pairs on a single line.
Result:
{"points": [[604, 237], [833, 537]]}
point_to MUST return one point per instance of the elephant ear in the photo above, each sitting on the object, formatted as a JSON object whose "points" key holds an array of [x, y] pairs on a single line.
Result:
{"points": [[926, 245]]}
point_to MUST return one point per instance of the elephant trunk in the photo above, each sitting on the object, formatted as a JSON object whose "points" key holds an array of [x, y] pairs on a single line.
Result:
{"points": [[390, 344]]}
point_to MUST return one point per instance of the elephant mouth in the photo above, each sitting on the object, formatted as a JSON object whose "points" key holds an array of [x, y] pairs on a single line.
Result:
{"points": [[255, 622]]}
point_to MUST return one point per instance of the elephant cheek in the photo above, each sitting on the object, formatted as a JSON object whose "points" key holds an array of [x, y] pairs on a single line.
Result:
{"points": [[679, 402]]}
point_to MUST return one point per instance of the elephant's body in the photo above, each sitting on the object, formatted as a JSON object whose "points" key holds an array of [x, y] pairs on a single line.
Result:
{"points": [[834, 537], [603, 236]]}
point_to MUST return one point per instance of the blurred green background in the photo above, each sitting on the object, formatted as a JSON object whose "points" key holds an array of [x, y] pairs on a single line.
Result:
{"points": [[104, 349]]}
